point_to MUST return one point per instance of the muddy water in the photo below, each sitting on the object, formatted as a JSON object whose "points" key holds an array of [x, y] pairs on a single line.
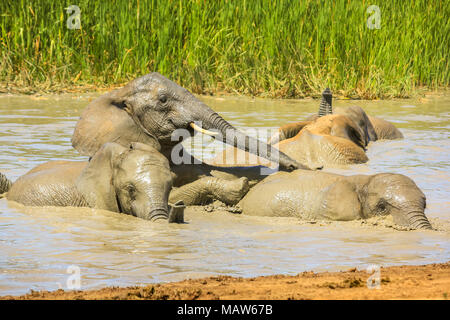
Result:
{"points": [[38, 245]]}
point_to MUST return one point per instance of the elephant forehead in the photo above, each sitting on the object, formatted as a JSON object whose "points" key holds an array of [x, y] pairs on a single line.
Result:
{"points": [[142, 161], [153, 82]]}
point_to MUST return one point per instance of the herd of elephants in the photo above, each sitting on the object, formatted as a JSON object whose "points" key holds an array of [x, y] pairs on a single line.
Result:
{"points": [[127, 135]]}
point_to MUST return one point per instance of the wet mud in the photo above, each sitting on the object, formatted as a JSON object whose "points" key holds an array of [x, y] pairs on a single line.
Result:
{"points": [[401, 282]]}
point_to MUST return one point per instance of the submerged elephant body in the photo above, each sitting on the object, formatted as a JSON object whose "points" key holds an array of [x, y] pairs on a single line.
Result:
{"points": [[373, 128], [321, 195], [329, 140], [338, 137]]}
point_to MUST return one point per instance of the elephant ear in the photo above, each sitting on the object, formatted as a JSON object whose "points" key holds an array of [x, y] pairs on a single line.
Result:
{"points": [[339, 201], [95, 181], [106, 120], [345, 127]]}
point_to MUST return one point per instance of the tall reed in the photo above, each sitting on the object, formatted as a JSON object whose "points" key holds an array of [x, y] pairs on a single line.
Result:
{"points": [[274, 48]]}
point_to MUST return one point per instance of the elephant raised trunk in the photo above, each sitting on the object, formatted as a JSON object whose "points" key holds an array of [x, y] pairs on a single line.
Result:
{"points": [[325, 104]]}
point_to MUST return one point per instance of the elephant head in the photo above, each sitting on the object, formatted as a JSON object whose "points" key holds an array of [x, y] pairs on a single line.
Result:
{"points": [[149, 109], [359, 116], [134, 180], [398, 195]]}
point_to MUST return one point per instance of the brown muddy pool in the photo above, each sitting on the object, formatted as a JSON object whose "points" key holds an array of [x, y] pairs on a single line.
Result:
{"points": [[42, 248]]}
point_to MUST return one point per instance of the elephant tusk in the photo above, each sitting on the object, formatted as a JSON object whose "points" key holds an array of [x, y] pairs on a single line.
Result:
{"points": [[200, 129]]}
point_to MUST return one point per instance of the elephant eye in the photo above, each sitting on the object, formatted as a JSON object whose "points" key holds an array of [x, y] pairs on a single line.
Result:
{"points": [[131, 189], [163, 98], [381, 206]]}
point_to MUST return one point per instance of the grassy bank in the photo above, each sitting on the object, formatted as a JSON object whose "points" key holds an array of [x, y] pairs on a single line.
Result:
{"points": [[275, 48]]}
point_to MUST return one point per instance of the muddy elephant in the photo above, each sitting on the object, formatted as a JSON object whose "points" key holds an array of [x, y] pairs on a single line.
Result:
{"points": [[321, 195], [372, 128], [134, 180], [149, 110]]}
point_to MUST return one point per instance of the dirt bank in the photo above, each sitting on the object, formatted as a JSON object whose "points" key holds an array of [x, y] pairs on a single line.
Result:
{"points": [[403, 282]]}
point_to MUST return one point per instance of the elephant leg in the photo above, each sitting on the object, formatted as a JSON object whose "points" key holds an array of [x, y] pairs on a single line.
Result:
{"points": [[207, 189], [193, 170]]}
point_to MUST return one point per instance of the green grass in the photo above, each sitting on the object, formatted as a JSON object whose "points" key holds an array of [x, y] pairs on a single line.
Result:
{"points": [[269, 48]]}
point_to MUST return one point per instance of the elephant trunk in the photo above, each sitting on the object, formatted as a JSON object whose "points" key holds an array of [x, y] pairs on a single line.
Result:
{"points": [[418, 220], [234, 137], [5, 184], [151, 211], [325, 104], [158, 214], [411, 217]]}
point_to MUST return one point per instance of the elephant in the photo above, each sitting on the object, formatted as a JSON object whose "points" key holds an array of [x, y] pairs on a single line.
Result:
{"points": [[134, 180], [327, 196], [373, 128], [149, 110], [328, 140]]}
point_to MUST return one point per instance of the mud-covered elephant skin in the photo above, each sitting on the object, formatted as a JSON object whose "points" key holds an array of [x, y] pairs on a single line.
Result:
{"points": [[149, 109], [134, 180], [321, 195]]}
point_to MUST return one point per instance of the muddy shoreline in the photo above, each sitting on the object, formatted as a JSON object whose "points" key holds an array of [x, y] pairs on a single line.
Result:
{"points": [[397, 282]]}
